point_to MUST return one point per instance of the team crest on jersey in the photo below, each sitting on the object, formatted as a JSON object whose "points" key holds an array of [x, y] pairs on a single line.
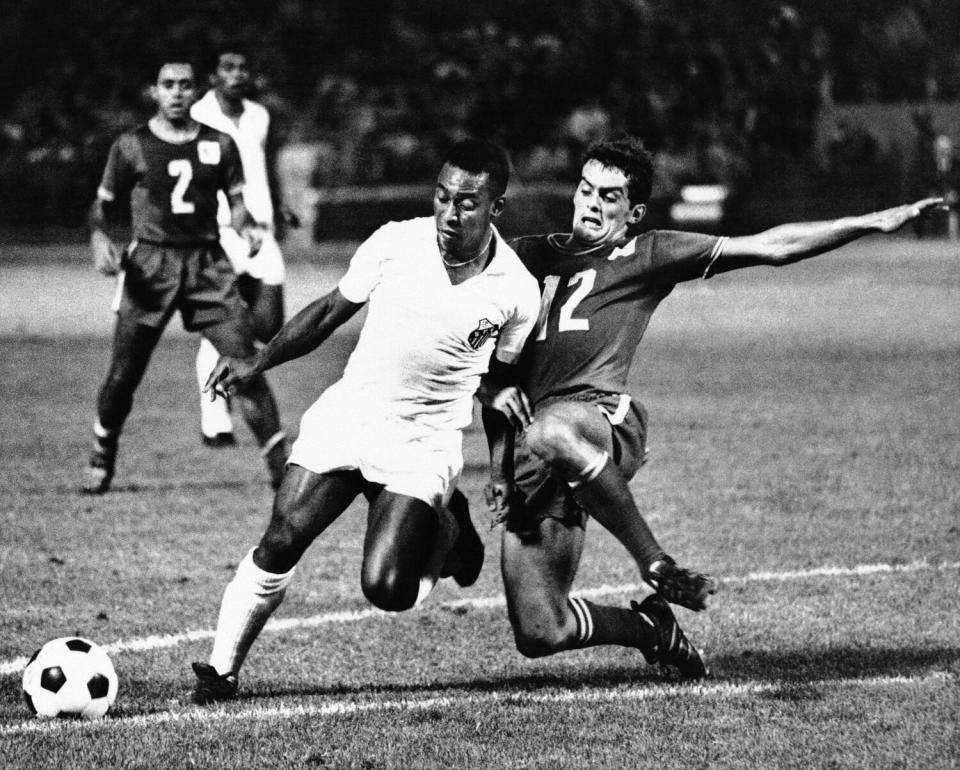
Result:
{"points": [[484, 331], [209, 152]]}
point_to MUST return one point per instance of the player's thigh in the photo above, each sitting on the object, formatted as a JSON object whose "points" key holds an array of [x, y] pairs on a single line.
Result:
{"points": [[538, 569], [564, 421], [305, 505], [401, 534]]}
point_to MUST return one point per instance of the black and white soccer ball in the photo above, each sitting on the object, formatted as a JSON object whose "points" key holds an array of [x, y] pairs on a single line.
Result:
{"points": [[70, 677]]}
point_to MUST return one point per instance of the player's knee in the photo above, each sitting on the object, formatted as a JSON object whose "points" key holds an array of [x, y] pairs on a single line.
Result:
{"points": [[385, 588], [539, 642], [551, 438], [538, 635], [282, 545]]}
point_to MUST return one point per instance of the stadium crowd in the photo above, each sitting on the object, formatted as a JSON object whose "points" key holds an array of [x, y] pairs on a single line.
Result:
{"points": [[716, 89]]}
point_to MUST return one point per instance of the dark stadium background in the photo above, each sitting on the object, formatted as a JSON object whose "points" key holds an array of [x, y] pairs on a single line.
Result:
{"points": [[796, 107]]}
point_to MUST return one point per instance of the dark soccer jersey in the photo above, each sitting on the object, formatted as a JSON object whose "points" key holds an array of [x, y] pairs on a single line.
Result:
{"points": [[596, 305], [172, 187]]}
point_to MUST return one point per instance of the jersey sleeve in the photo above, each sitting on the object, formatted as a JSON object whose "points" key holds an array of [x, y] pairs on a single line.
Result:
{"points": [[232, 179], [686, 256], [363, 274], [118, 174], [518, 327]]}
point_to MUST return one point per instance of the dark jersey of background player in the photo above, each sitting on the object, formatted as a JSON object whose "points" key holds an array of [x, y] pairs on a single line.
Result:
{"points": [[172, 187], [596, 305]]}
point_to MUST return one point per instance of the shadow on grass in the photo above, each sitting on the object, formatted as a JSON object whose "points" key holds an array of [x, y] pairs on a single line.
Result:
{"points": [[172, 486], [794, 669]]}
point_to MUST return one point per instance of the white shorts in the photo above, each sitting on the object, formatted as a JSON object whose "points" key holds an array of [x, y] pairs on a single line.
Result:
{"points": [[339, 433], [266, 265]]}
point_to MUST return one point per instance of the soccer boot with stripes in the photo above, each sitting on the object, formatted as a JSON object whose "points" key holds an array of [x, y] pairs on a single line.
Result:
{"points": [[672, 648], [680, 586], [99, 471], [211, 686]]}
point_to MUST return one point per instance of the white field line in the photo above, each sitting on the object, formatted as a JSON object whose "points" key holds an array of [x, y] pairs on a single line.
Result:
{"points": [[586, 695], [146, 643]]}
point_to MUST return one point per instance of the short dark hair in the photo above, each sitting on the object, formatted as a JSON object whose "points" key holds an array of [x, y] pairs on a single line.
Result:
{"points": [[480, 156], [230, 46], [630, 156], [160, 63]]}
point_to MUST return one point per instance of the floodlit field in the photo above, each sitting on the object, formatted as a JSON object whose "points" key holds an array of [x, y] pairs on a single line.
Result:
{"points": [[805, 426]]}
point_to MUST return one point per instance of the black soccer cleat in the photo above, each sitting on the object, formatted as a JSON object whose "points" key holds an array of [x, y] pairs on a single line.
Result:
{"points": [[223, 440], [212, 687], [99, 471], [673, 647], [680, 586], [466, 556]]}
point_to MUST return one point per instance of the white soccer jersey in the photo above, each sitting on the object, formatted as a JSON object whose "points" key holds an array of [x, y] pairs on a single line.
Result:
{"points": [[250, 135], [425, 342]]}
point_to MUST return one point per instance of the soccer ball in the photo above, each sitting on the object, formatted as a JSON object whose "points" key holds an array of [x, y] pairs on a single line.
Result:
{"points": [[69, 677]]}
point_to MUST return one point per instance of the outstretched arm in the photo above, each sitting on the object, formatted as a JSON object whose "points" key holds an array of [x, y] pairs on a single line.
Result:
{"points": [[297, 337], [790, 243]]}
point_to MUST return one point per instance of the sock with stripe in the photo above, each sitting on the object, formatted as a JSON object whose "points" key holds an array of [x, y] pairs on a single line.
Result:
{"points": [[597, 624], [248, 601], [604, 493]]}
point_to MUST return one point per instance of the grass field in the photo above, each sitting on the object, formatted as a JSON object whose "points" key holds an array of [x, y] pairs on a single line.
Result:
{"points": [[805, 431]]}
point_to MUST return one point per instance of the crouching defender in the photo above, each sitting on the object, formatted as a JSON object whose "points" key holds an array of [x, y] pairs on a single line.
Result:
{"points": [[582, 437]]}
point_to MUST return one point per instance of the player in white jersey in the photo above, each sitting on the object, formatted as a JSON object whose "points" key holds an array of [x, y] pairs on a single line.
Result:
{"points": [[261, 275], [443, 296]]}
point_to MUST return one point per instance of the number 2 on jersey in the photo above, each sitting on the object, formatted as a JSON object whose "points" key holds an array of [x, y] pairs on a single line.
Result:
{"points": [[183, 171], [566, 322]]}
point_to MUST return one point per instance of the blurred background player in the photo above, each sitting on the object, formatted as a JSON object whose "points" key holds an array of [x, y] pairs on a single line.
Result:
{"points": [[600, 284], [227, 108], [446, 296], [171, 169]]}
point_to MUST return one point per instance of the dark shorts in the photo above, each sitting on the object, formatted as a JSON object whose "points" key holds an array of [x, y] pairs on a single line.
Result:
{"points": [[539, 493], [196, 280]]}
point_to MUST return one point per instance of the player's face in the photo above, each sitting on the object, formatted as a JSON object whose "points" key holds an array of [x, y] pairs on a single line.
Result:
{"points": [[233, 75], [175, 91], [602, 210], [463, 208]]}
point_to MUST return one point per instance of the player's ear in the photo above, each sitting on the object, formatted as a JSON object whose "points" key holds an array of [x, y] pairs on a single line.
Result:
{"points": [[637, 213], [498, 205], [154, 93]]}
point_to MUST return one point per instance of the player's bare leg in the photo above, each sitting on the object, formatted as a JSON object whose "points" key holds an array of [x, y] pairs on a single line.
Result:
{"points": [[133, 345], [404, 547], [538, 568], [257, 404], [574, 438], [304, 506], [465, 558]]}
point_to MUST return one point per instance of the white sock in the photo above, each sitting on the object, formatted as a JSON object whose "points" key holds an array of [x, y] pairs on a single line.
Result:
{"points": [[248, 601], [214, 415], [447, 533]]}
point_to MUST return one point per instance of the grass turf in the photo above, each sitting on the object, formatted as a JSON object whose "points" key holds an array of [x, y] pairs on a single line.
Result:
{"points": [[801, 418]]}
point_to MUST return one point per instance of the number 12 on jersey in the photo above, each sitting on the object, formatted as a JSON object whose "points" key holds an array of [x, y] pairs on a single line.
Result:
{"points": [[566, 321]]}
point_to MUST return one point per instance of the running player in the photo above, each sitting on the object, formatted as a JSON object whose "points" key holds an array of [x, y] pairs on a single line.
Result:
{"points": [[444, 294], [600, 285], [171, 169], [226, 108]]}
